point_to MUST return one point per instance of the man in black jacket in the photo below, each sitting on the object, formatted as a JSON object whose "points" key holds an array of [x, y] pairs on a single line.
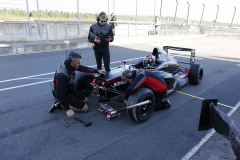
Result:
{"points": [[100, 34], [64, 87], [140, 77]]}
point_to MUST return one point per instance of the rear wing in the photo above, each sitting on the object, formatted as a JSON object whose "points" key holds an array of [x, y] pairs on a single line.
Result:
{"points": [[192, 57]]}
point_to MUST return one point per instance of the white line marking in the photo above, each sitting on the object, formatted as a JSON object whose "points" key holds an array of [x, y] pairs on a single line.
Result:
{"points": [[54, 72], [29, 77], [41, 78], [30, 84], [26, 77], [194, 150]]}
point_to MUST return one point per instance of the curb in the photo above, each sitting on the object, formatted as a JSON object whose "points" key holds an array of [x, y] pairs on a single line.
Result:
{"points": [[36, 47]]}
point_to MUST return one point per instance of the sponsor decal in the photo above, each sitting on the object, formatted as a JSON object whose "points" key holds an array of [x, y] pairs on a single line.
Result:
{"points": [[118, 83]]}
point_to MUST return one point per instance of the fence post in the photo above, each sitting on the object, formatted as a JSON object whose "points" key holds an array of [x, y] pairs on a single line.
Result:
{"points": [[160, 11], [78, 17], [136, 17], [39, 25], [128, 29], [188, 13], [65, 30], [113, 6], [202, 15], [149, 29], [233, 16], [108, 9], [46, 32], [176, 11], [154, 11], [29, 25], [216, 17]]}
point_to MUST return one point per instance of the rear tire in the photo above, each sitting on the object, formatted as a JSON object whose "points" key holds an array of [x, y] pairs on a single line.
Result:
{"points": [[141, 113], [83, 83], [195, 74]]}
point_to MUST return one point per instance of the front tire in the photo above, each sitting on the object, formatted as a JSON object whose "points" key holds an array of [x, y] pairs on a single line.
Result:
{"points": [[141, 113], [195, 74]]}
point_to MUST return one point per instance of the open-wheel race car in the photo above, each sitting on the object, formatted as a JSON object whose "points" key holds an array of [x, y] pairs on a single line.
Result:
{"points": [[141, 103]]}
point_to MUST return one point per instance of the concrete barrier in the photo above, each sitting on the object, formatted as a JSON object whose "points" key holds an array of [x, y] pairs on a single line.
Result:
{"points": [[15, 37], [19, 31]]}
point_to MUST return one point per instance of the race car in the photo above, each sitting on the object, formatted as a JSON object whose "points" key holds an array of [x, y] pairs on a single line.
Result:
{"points": [[141, 103]]}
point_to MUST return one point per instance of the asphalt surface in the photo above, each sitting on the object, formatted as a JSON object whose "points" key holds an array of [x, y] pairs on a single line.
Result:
{"points": [[28, 131]]}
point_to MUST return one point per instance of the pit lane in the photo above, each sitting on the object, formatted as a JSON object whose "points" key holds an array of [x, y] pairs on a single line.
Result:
{"points": [[28, 131]]}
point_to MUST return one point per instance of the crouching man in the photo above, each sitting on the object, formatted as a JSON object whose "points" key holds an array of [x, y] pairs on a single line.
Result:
{"points": [[141, 77], [65, 92]]}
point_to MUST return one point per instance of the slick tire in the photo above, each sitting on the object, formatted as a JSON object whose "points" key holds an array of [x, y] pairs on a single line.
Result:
{"points": [[141, 113], [83, 83], [195, 74]]}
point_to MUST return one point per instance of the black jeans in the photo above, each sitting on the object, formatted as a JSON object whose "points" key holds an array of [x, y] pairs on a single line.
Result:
{"points": [[76, 99], [102, 53], [158, 99]]}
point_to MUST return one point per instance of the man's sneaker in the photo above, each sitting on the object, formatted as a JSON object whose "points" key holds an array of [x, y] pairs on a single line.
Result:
{"points": [[55, 106], [164, 104]]}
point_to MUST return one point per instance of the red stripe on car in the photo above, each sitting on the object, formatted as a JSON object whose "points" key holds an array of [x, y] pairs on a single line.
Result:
{"points": [[114, 80]]}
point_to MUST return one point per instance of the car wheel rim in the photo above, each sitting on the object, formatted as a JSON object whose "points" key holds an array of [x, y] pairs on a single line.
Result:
{"points": [[145, 109]]}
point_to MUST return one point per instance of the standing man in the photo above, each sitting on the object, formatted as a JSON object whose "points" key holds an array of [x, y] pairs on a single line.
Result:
{"points": [[100, 34], [113, 23], [140, 77], [65, 92]]}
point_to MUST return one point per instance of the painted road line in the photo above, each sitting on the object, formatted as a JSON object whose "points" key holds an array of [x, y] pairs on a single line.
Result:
{"points": [[15, 79], [195, 149], [204, 98], [30, 84], [9, 80]]}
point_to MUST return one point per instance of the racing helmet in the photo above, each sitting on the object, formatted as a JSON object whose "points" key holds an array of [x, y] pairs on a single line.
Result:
{"points": [[148, 60]]}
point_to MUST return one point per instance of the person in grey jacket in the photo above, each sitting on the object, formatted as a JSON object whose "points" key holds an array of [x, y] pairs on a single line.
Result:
{"points": [[100, 34]]}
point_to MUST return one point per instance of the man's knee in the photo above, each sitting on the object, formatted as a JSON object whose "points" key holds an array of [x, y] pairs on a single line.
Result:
{"points": [[84, 109], [85, 100]]}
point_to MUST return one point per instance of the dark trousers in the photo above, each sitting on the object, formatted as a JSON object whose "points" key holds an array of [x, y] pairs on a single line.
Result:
{"points": [[102, 53], [76, 99], [158, 99]]}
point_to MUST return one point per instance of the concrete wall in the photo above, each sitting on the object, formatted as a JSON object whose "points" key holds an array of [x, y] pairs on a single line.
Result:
{"points": [[52, 30], [19, 32]]}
